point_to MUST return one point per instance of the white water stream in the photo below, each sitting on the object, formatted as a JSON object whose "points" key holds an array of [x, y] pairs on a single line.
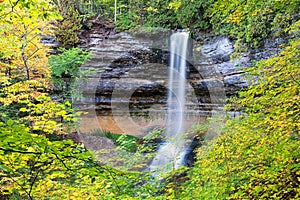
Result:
{"points": [[171, 153]]}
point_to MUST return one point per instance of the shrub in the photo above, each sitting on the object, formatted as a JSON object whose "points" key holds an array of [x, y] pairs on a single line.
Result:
{"points": [[66, 73], [67, 29]]}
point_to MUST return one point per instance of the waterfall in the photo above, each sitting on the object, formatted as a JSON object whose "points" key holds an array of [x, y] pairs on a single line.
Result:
{"points": [[171, 153]]}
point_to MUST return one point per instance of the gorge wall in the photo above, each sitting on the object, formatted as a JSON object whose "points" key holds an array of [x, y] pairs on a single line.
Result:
{"points": [[132, 71], [131, 80]]}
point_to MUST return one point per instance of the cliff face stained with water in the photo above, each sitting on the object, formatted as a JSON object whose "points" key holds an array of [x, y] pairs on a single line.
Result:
{"points": [[137, 65], [219, 49]]}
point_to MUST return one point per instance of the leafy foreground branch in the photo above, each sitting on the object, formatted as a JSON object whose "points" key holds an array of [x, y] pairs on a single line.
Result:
{"points": [[32, 166]]}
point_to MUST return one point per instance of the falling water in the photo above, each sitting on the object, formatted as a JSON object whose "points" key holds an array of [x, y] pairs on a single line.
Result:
{"points": [[171, 154]]}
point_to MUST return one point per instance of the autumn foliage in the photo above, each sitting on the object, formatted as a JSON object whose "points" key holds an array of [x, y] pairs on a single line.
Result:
{"points": [[256, 156]]}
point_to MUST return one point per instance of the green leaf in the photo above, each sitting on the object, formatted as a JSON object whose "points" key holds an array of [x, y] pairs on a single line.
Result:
{"points": [[10, 122], [5, 168], [23, 109]]}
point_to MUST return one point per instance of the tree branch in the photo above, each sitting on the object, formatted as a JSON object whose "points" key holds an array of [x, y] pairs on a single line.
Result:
{"points": [[18, 151]]}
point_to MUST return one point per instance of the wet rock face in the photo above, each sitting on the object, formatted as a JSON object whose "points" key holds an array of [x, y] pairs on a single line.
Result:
{"points": [[119, 67], [49, 41], [130, 65], [94, 32], [190, 156], [134, 74], [218, 51]]}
